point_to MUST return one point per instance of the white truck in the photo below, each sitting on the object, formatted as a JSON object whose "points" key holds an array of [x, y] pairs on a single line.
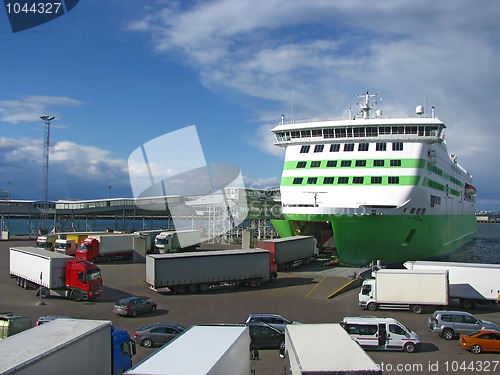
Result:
{"points": [[201, 350], [289, 251], [178, 241], [46, 241], [200, 270], [67, 247], [470, 283], [77, 347], [405, 289], [338, 354]]}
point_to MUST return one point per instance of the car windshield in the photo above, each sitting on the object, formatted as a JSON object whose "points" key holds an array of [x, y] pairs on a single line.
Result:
{"points": [[123, 302]]}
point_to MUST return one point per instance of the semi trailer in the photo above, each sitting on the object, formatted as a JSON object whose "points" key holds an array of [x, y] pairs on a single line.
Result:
{"points": [[200, 270], [107, 247], [177, 241], [55, 274], [289, 251]]}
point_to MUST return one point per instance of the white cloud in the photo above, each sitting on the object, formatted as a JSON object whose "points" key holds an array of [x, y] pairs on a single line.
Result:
{"points": [[30, 108]]}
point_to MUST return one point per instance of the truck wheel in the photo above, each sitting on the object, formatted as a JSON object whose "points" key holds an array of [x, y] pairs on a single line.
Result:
{"points": [[417, 309], [257, 283], [180, 289], [372, 306], [410, 347], [448, 334], [203, 287], [467, 304], [76, 296], [147, 343], [476, 349], [94, 260], [192, 288]]}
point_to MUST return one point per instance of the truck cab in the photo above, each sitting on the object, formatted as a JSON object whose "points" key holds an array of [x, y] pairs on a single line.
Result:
{"points": [[123, 350], [67, 247], [88, 250], [46, 241], [83, 279]]}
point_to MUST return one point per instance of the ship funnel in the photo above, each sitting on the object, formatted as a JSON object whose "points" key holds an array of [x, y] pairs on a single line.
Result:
{"points": [[419, 110], [378, 113]]}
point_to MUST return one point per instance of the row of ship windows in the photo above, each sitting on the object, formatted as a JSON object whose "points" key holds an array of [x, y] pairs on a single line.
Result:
{"points": [[335, 147], [348, 163], [345, 180]]}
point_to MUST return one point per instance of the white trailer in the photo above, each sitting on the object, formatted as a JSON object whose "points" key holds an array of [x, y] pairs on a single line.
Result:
{"points": [[324, 349], [63, 346], [202, 269], [177, 241], [289, 251], [405, 289], [115, 243], [201, 350], [470, 283]]}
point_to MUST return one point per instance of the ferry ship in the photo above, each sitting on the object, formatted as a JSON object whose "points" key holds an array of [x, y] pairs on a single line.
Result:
{"points": [[377, 188]]}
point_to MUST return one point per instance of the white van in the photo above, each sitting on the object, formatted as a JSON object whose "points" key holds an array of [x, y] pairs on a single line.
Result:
{"points": [[381, 333]]}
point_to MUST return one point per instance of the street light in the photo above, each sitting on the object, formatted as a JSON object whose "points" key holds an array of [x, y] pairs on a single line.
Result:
{"points": [[45, 174]]}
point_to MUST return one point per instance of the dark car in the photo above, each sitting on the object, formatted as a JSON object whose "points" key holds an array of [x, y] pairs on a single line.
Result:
{"points": [[264, 336], [157, 334], [132, 306], [273, 320]]}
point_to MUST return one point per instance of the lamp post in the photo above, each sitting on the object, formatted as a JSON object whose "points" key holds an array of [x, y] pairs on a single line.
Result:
{"points": [[45, 172]]}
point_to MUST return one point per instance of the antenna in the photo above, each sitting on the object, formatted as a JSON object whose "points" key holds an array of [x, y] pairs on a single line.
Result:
{"points": [[291, 109], [315, 195]]}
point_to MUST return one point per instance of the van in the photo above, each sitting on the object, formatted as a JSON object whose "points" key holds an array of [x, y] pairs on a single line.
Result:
{"points": [[11, 324], [381, 333]]}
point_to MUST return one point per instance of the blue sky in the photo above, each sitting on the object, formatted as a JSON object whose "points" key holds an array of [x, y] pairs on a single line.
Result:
{"points": [[119, 73]]}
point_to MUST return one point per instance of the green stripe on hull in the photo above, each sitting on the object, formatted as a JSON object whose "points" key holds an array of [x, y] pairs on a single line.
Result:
{"points": [[392, 238]]}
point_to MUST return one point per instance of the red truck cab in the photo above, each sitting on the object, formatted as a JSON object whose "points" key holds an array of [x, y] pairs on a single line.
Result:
{"points": [[88, 250], [83, 279]]}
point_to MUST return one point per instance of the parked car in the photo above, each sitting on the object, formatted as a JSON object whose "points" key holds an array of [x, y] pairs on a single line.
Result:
{"points": [[48, 318], [274, 320], [449, 324], [157, 334], [265, 336], [485, 340], [132, 306]]}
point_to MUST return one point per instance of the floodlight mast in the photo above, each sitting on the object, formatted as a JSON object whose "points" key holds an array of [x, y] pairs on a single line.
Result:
{"points": [[45, 171]]}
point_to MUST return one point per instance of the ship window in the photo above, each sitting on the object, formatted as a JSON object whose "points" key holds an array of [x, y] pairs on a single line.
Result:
{"points": [[328, 180], [359, 132], [301, 164], [331, 163], [319, 148], [297, 180], [418, 211], [376, 180], [339, 133], [378, 163], [393, 180], [360, 163], [343, 180], [371, 131], [349, 147], [395, 163], [381, 146], [384, 130], [305, 133], [305, 149], [398, 130], [312, 180], [295, 134], [315, 164], [316, 132], [357, 180], [363, 147], [411, 130], [397, 146], [412, 211], [435, 200], [345, 163], [335, 147], [348, 132], [328, 133]]}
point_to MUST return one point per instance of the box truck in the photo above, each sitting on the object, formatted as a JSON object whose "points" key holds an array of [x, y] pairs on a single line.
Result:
{"points": [[67, 346], [46, 241], [201, 270], [57, 274], [201, 350], [405, 289], [106, 247], [470, 283], [67, 247], [177, 241], [293, 250], [324, 349]]}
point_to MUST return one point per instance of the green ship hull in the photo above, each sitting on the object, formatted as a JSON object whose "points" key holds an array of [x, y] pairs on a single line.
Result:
{"points": [[392, 239]]}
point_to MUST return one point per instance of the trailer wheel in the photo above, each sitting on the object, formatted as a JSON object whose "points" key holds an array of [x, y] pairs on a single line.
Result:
{"points": [[203, 287], [417, 309], [180, 289], [372, 306], [192, 288], [76, 296], [467, 304], [18, 281]]}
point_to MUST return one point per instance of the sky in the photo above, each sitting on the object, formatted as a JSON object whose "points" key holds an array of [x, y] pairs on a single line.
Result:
{"points": [[118, 74]]}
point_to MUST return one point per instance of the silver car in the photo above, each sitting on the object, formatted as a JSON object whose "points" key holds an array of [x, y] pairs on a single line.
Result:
{"points": [[450, 324], [132, 306]]}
